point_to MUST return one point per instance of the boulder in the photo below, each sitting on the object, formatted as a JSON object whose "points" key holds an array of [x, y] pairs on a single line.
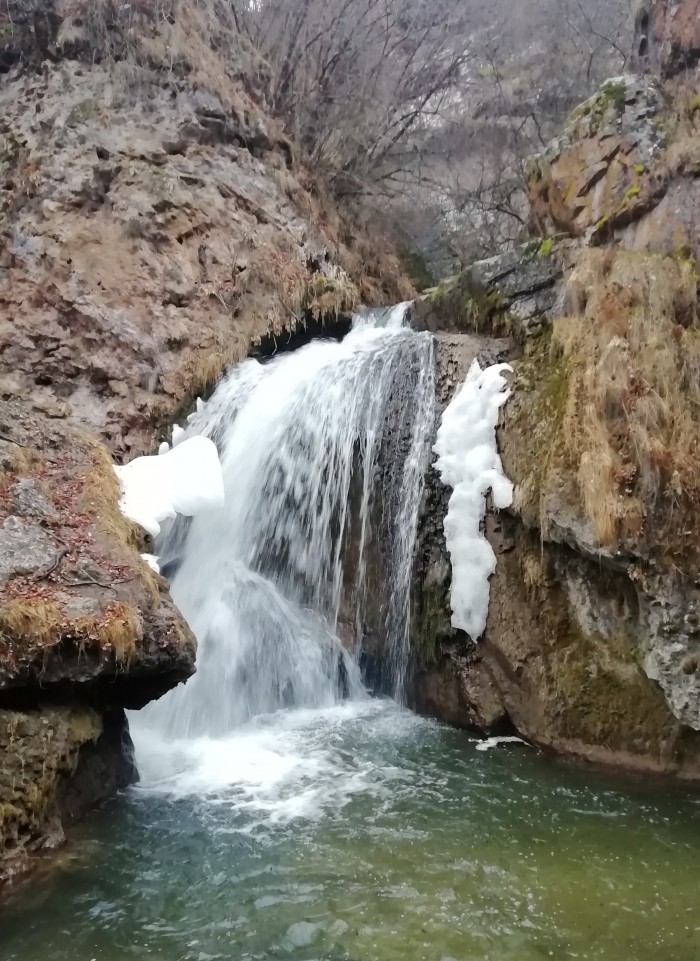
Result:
{"points": [[605, 169]]}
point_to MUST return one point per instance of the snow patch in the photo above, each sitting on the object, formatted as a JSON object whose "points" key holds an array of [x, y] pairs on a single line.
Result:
{"points": [[469, 463], [185, 480], [495, 741], [152, 562]]}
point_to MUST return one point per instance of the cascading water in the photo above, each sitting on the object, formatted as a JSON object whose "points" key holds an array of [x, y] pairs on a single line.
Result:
{"points": [[355, 829], [262, 581]]}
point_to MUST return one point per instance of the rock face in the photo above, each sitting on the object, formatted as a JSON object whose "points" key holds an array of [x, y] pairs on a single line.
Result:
{"points": [[513, 293], [155, 226], [591, 647], [605, 169], [667, 36]]}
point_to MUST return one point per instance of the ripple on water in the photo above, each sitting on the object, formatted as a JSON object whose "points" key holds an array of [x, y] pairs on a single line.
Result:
{"points": [[363, 833]]}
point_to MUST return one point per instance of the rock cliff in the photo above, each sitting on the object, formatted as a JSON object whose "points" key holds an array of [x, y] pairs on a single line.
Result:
{"points": [[592, 647], [155, 226]]}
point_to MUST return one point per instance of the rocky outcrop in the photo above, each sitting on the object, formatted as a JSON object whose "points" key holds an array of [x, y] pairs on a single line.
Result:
{"points": [[155, 226], [667, 36], [86, 629], [625, 169], [513, 294], [591, 647], [606, 168]]}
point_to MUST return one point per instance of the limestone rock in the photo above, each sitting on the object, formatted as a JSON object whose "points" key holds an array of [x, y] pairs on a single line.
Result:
{"points": [[667, 35], [605, 169], [511, 293], [56, 763]]}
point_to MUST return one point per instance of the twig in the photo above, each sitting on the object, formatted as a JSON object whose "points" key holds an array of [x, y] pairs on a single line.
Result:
{"points": [[60, 554], [295, 316], [88, 581]]}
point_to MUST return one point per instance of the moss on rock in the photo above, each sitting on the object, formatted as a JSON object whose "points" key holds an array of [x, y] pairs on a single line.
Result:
{"points": [[40, 750]]}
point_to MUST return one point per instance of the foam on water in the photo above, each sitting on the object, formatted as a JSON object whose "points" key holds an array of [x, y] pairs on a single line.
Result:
{"points": [[277, 768]]}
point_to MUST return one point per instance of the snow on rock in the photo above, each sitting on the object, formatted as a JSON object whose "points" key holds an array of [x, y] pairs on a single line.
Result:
{"points": [[152, 562], [495, 741], [185, 480], [469, 463]]}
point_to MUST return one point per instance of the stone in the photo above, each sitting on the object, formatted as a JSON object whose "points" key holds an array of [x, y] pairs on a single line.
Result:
{"points": [[25, 548], [302, 934], [667, 36], [605, 169], [514, 292]]}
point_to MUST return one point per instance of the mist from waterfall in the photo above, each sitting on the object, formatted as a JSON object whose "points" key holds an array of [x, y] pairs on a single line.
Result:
{"points": [[262, 581]]}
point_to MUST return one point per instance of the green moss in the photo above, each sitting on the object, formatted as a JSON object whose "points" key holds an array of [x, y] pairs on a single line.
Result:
{"points": [[83, 112], [602, 223], [639, 169], [546, 247], [467, 306], [603, 696], [634, 191], [534, 449], [10, 150], [613, 93], [430, 620]]}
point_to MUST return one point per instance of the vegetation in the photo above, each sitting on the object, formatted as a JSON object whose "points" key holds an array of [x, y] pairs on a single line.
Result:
{"points": [[616, 390]]}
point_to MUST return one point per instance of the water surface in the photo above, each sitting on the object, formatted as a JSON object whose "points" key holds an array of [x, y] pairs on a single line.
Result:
{"points": [[363, 833]]}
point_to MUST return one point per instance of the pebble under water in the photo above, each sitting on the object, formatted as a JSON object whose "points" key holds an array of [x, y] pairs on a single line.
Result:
{"points": [[363, 833]]}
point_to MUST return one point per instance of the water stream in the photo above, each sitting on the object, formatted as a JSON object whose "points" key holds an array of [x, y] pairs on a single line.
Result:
{"points": [[285, 813]]}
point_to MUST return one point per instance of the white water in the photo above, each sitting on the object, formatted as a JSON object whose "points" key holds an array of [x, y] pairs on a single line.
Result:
{"points": [[261, 581]]}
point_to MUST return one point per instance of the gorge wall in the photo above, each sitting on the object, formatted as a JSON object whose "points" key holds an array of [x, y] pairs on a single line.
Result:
{"points": [[592, 646], [155, 226]]}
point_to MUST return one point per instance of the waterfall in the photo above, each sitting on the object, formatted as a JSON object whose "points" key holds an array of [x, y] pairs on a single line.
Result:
{"points": [[263, 581]]}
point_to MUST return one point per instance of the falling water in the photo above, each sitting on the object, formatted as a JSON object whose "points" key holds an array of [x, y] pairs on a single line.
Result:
{"points": [[354, 829], [263, 580]]}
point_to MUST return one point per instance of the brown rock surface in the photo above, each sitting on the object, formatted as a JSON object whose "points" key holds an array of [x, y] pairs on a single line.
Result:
{"points": [[667, 35], [605, 170], [592, 645]]}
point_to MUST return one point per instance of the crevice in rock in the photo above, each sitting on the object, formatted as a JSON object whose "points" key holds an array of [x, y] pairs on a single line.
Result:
{"points": [[302, 333]]}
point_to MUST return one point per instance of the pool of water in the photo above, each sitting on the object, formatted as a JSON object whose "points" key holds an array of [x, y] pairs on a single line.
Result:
{"points": [[364, 833]]}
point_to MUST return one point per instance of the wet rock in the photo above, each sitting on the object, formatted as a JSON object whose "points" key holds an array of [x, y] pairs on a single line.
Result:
{"points": [[40, 751], [302, 934]]}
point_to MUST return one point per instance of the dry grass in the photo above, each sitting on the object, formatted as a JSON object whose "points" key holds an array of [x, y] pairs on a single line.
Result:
{"points": [[631, 347], [31, 619], [120, 629], [191, 40], [101, 495], [327, 296]]}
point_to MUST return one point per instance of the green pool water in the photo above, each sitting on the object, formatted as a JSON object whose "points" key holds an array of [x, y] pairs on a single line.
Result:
{"points": [[363, 833]]}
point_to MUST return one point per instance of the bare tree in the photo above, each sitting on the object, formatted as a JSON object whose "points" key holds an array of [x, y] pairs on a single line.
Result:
{"points": [[358, 80]]}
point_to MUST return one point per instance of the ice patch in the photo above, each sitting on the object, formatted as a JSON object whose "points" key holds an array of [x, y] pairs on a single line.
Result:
{"points": [[469, 463], [152, 562], [185, 480], [495, 741]]}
